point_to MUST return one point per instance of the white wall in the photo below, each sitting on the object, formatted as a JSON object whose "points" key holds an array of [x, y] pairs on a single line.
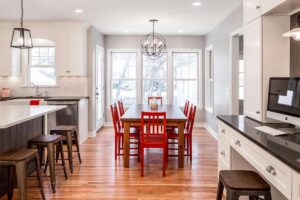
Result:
{"points": [[219, 38], [173, 42]]}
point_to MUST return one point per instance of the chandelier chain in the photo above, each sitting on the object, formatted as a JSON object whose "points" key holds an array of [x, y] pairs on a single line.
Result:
{"points": [[22, 13]]}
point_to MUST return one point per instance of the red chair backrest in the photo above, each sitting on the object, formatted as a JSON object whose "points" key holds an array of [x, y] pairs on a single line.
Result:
{"points": [[153, 123], [158, 98], [186, 108], [115, 118], [121, 108], [191, 119]]}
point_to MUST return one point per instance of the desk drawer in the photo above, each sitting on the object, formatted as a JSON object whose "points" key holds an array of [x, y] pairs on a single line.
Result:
{"points": [[224, 131], [279, 174]]}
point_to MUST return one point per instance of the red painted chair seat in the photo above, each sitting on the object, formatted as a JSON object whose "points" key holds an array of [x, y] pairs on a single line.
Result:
{"points": [[154, 141]]}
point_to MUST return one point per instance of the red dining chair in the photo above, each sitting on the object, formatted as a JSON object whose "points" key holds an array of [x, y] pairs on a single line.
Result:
{"points": [[157, 98], [119, 134], [153, 135], [186, 108], [188, 130], [121, 110]]}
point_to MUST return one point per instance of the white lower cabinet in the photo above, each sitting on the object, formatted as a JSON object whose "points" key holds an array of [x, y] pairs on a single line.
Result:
{"points": [[296, 186], [276, 172]]}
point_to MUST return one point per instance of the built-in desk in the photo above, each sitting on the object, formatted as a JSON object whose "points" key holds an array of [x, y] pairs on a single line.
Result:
{"points": [[277, 159]]}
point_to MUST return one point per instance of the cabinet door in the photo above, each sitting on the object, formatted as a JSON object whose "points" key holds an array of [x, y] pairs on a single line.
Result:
{"points": [[77, 49], [253, 69], [9, 57], [267, 5], [62, 53], [251, 10]]}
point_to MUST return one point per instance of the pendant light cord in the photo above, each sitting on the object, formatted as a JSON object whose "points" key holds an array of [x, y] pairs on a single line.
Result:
{"points": [[21, 20]]}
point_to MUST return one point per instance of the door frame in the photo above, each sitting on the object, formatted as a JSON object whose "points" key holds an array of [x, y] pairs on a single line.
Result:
{"points": [[234, 67]]}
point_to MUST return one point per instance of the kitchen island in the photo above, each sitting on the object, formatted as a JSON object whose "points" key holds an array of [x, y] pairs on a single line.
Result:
{"points": [[18, 125]]}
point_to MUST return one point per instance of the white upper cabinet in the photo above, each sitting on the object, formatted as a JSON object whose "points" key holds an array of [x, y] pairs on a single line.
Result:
{"points": [[267, 5], [251, 10], [253, 69], [9, 57]]}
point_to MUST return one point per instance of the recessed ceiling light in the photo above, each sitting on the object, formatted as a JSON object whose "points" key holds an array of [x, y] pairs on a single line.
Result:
{"points": [[78, 11], [180, 31], [125, 31], [197, 3]]}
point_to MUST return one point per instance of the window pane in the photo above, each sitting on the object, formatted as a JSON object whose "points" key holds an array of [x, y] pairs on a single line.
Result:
{"points": [[155, 68], [123, 65], [154, 88], [43, 51], [35, 52], [185, 65], [241, 93], [184, 90], [42, 56], [125, 90], [35, 61], [241, 79], [42, 76]]}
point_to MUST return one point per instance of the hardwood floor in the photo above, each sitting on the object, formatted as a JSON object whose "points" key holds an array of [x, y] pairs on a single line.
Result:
{"points": [[101, 177]]}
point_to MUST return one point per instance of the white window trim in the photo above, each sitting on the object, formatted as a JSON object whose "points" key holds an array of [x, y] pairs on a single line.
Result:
{"points": [[207, 79], [169, 77]]}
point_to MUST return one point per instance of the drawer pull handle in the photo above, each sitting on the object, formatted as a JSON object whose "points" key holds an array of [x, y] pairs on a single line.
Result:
{"points": [[257, 112], [223, 153], [223, 131], [238, 143], [271, 170]]}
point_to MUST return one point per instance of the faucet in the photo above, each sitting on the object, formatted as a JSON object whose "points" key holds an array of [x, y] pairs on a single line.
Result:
{"points": [[37, 93]]}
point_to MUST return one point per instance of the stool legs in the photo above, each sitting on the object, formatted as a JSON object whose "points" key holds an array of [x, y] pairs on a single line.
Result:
{"points": [[69, 147], [39, 177], [61, 150], [77, 146], [220, 191], [51, 159], [10, 189], [21, 173]]}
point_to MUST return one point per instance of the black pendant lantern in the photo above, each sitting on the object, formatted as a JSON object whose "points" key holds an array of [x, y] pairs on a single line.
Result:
{"points": [[21, 37], [153, 45]]}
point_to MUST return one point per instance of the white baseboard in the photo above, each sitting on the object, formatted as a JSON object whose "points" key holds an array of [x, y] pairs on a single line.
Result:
{"points": [[108, 124], [92, 134], [211, 131]]}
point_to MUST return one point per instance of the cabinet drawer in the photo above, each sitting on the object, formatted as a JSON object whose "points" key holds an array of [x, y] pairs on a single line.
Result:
{"points": [[276, 172], [224, 152], [224, 131]]}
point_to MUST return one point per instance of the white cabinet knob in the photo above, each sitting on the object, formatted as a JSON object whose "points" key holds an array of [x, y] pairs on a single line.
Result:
{"points": [[271, 170]]}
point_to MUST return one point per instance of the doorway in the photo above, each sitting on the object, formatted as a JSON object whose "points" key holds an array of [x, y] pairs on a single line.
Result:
{"points": [[99, 86], [238, 72]]}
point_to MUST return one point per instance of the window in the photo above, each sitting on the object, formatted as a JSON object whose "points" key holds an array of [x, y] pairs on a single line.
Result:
{"points": [[42, 66], [185, 78], [154, 78], [209, 78], [241, 79], [124, 77]]}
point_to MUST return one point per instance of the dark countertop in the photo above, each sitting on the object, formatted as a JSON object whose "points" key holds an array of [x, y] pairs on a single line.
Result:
{"points": [[50, 98], [286, 147]]}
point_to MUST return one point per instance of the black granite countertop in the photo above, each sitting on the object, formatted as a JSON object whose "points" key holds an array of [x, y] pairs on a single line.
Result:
{"points": [[50, 98], [285, 147]]}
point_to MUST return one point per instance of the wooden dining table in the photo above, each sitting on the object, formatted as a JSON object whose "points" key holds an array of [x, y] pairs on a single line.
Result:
{"points": [[174, 118]]}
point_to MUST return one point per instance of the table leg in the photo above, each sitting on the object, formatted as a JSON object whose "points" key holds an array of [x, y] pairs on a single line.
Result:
{"points": [[181, 145], [126, 144]]}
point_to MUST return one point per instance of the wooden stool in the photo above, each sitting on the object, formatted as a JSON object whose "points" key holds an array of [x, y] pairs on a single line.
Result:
{"points": [[242, 183], [70, 133], [50, 141], [20, 159]]}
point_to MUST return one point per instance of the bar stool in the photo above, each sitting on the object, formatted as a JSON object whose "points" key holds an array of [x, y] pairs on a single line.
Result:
{"points": [[20, 159], [242, 183], [50, 142], [70, 133]]}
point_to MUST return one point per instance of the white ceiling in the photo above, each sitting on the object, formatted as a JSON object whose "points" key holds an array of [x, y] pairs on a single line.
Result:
{"points": [[131, 16]]}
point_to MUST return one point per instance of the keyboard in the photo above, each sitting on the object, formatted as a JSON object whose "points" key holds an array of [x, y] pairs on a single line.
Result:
{"points": [[269, 130]]}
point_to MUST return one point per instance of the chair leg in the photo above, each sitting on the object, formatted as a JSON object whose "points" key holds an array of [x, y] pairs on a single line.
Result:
{"points": [[77, 147], [21, 172], [51, 159], [39, 177], [69, 147], [116, 146], [10, 185], [61, 150], [164, 161], [191, 148], [142, 162], [220, 191]]}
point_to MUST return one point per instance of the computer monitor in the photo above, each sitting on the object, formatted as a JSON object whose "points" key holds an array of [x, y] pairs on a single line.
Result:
{"points": [[284, 100]]}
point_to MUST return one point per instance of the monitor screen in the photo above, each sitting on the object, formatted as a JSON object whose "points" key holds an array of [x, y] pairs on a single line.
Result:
{"points": [[284, 96]]}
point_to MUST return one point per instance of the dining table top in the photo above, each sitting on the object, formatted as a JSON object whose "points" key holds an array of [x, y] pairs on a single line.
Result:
{"points": [[173, 112]]}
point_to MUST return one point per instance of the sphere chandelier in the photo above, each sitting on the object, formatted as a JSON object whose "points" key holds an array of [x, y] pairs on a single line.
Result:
{"points": [[153, 45]]}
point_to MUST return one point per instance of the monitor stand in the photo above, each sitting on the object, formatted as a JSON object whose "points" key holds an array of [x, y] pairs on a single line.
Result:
{"points": [[290, 130]]}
